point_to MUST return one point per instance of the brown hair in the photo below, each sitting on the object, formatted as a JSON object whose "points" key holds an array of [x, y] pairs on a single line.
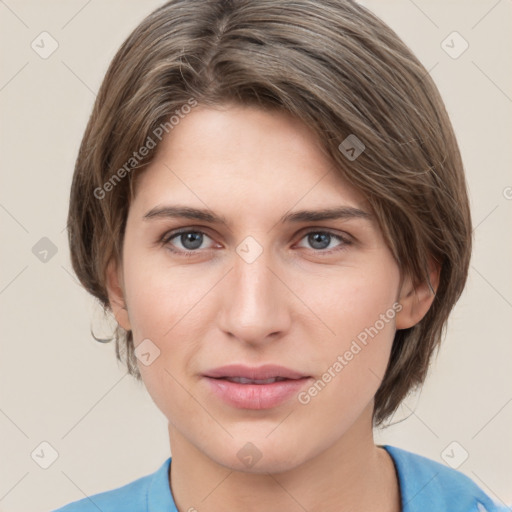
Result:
{"points": [[339, 69]]}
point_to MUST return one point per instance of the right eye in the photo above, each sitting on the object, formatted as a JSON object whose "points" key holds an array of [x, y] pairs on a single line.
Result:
{"points": [[189, 239]]}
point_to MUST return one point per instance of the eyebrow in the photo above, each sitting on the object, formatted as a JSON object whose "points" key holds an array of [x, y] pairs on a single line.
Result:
{"points": [[336, 213]]}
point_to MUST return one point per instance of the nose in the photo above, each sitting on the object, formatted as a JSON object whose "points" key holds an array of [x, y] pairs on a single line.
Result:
{"points": [[256, 302]]}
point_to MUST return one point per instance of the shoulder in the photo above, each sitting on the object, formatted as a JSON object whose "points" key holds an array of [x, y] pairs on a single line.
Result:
{"points": [[429, 485], [135, 496]]}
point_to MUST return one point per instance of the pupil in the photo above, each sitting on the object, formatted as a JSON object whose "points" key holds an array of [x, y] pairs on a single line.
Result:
{"points": [[320, 238], [194, 238]]}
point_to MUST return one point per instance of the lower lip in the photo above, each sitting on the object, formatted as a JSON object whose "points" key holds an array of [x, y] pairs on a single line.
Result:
{"points": [[256, 396]]}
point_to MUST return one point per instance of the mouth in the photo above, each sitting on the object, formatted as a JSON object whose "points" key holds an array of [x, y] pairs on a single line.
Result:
{"points": [[244, 380], [264, 387], [260, 373]]}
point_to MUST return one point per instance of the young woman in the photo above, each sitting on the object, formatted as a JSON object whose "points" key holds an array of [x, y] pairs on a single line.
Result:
{"points": [[270, 199]]}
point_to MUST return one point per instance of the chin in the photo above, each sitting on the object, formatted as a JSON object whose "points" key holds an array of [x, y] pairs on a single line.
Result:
{"points": [[259, 457]]}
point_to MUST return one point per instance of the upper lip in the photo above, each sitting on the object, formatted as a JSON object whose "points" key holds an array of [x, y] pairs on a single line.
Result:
{"points": [[267, 371]]}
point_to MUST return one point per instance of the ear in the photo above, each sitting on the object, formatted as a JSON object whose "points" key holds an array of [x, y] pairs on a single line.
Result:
{"points": [[115, 290], [417, 299]]}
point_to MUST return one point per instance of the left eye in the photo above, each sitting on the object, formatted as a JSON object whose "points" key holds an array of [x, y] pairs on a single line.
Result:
{"points": [[320, 240]]}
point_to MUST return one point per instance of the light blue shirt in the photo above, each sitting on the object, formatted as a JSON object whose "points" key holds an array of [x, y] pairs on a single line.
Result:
{"points": [[425, 486]]}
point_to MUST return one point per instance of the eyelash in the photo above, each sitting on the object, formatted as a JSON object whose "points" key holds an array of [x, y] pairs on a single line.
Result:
{"points": [[167, 237]]}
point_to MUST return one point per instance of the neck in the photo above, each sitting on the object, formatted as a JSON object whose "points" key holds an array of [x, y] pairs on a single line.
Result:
{"points": [[351, 475]]}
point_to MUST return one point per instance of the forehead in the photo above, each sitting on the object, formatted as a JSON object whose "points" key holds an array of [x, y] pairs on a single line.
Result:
{"points": [[243, 156]]}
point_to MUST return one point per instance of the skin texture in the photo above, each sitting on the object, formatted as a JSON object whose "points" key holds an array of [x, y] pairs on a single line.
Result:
{"points": [[295, 305]]}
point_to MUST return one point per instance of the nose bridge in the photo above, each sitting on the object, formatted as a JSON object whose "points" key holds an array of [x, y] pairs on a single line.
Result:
{"points": [[254, 304]]}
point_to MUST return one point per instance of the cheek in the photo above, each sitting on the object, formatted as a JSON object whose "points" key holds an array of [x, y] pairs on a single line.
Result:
{"points": [[360, 311], [168, 306], [160, 296], [351, 300]]}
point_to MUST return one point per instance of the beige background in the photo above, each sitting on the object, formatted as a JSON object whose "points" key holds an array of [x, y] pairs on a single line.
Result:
{"points": [[58, 385]]}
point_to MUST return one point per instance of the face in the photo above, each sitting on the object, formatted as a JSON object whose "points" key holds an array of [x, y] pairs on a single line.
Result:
{"points": [[255, 284]]}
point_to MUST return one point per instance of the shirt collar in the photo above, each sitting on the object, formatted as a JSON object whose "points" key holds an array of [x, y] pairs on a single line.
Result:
{"points": [[159, 497]]}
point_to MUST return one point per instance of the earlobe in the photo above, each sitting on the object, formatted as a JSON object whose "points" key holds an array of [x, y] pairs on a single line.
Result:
{"points": [[116, 295], [417, 299]]}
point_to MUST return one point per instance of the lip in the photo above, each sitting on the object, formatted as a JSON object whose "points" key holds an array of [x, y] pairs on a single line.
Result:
{"points": [[255, 396]]}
